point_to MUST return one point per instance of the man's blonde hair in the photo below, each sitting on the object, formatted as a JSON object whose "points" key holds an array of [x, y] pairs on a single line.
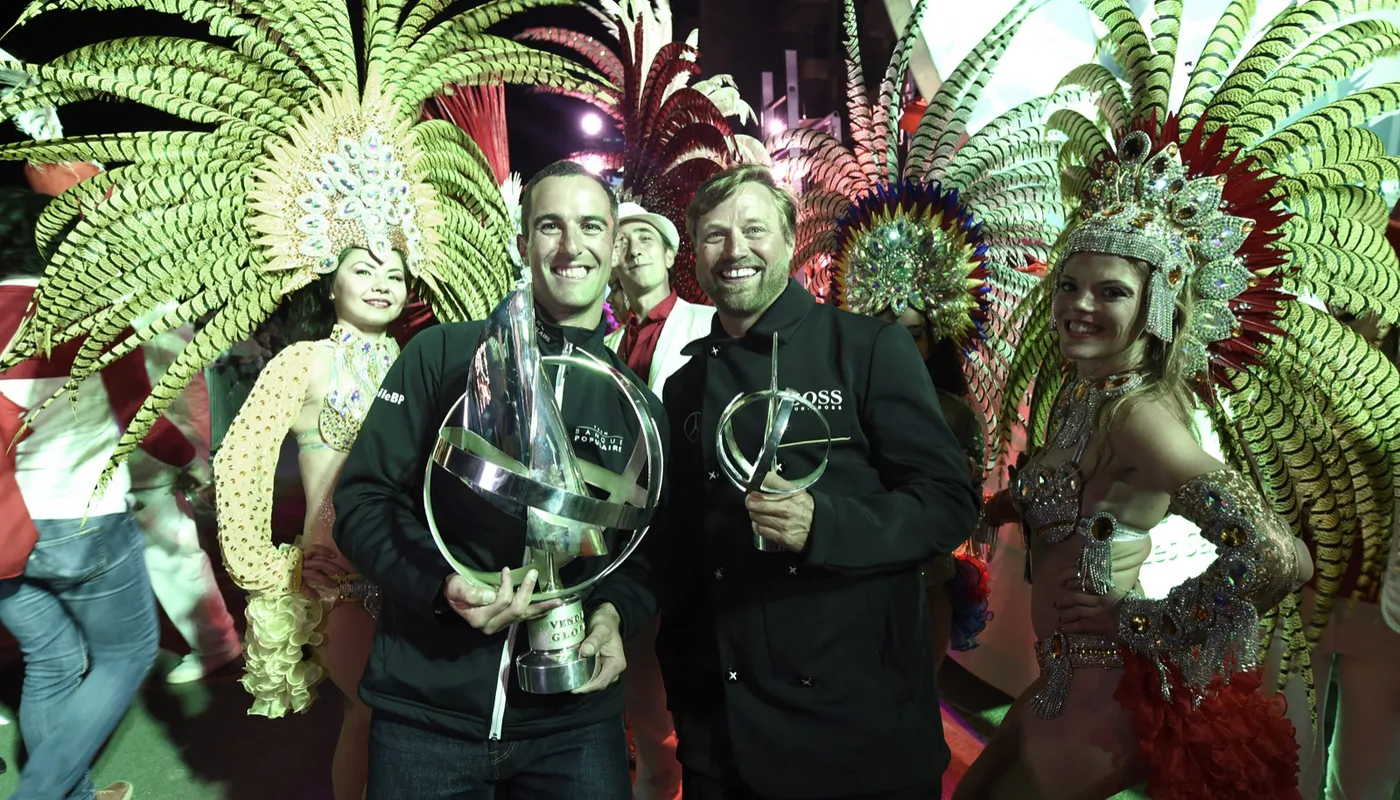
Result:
{"points": [[724, 184]]}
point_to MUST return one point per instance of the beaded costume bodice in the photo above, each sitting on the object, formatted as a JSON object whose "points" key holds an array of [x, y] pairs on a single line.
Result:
{"points": [[1050, 497], [358, 366]]}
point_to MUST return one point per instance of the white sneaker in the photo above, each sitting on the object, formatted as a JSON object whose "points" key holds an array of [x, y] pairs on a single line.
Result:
{"points": [[195, 665]]}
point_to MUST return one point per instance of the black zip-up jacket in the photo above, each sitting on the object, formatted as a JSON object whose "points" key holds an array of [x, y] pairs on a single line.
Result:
{"points": [[809, 675], [427, 665]]}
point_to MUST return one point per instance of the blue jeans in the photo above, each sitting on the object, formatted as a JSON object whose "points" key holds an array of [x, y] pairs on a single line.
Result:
{"points": [[86, 621], [407, 762]]}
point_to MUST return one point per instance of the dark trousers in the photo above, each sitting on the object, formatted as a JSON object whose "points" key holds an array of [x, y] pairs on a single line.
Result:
{"points": [[698, 786], [409, 762]]}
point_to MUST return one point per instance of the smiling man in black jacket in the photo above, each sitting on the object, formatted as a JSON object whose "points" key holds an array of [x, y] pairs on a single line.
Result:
{"points": [[805, 673], [450, 719]]}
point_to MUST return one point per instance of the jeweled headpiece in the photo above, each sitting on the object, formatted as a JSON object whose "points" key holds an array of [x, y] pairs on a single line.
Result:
{"points": [[1146, 206], [912, 245], [349, 176]]}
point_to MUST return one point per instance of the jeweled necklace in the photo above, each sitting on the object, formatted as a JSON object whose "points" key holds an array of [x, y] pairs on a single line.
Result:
{"points": [[1079, 404], [366, 361]]}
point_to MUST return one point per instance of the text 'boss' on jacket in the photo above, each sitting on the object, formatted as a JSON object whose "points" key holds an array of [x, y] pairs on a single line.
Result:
{"points": [[821, 661], [428, 666]]}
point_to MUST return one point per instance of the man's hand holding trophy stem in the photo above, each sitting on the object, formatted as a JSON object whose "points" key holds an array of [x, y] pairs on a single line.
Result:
{"points": [[491, 611], [784, 519]]}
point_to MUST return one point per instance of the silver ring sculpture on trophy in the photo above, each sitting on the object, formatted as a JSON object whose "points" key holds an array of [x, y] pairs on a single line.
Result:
{"points": [[748, 476], [505, 438]]}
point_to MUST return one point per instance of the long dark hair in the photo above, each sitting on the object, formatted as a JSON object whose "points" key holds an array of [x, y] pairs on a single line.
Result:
{"points": [[945, 365], [309, 313]]}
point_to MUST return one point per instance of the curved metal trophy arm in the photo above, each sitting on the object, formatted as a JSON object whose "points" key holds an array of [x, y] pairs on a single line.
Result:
{"points": [[748, 476], [510, 486]]}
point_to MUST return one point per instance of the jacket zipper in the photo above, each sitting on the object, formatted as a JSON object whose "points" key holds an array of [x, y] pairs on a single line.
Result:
{"points": [[498, 708]]}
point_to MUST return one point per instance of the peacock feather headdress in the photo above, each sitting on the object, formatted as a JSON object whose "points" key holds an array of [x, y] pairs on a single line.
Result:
{"points": [[300, 153], [674, 136], [1246, 197], [945, 225]]}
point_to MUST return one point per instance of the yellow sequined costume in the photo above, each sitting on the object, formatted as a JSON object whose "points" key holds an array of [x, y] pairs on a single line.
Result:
{"points": [[282, 619]]}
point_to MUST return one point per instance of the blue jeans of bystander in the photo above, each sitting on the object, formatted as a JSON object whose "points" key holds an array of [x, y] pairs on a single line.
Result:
{"points": [[86, 621]]}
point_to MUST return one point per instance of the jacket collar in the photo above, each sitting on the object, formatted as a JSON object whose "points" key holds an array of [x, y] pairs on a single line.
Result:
{"points": [[552, 335], [780, 322]]}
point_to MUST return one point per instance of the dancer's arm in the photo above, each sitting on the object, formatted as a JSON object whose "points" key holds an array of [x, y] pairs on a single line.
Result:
{"points": [[1206, 625], [243, 476]]}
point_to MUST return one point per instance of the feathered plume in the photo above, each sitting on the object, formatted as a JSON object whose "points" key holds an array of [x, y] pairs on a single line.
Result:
{"points": [[945, 224]]}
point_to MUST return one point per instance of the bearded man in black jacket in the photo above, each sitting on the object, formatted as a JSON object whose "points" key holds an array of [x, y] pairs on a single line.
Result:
{"points": [[808, 672], [450, 719]]}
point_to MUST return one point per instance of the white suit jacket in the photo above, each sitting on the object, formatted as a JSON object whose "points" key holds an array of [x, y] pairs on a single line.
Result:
{"points": [[686, 323]]}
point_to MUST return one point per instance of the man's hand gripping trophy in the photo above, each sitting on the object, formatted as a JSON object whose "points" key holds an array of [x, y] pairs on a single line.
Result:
{"points": [[506, 439], [780, 509]]}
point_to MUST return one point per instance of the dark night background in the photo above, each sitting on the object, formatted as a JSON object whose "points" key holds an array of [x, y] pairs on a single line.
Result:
{"points": [[739, 37]]}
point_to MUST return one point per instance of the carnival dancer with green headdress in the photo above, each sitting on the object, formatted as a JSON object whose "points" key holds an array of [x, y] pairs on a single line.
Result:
{"points": [[310, 177], [1176, 284]]}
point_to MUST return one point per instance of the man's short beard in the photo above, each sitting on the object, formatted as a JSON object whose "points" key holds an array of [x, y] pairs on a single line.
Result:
{"points": [[766, 294]]}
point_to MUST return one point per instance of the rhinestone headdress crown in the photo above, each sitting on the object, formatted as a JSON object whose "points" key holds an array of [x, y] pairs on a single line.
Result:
{"points": [[1145, 206], [911, 244], [348, 176]]}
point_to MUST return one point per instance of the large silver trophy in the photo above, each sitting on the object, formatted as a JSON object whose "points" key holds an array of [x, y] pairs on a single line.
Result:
{"points": [[506, 439], [748, 475]]}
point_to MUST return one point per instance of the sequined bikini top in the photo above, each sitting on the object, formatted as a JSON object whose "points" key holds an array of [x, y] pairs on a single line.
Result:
{"points": [[1049, 498], [358, 366]]}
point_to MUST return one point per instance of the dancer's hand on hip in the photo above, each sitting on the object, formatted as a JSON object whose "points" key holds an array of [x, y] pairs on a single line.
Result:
{"points": [[1081, 612]]}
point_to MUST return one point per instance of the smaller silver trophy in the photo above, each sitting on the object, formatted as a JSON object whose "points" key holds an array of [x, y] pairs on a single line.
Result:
{"points": [[748, 476], [506, 439]]}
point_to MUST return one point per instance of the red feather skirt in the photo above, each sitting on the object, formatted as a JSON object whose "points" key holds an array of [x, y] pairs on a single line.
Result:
{"points": [[1235, 744]]}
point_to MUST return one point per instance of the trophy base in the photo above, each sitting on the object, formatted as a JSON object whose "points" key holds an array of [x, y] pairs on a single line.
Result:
{"points": [[554, 671]]}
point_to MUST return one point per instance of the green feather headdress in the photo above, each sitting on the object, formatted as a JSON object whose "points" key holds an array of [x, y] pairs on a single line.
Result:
{"points": [[945, 225], [299, 153]]}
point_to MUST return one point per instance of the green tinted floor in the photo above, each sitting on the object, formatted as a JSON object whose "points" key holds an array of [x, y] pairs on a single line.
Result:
{"points": [[196, 742]]}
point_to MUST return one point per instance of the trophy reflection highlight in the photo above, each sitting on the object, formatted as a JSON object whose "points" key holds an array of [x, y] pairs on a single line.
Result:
{"points": [[506, 439], [748, 476]]}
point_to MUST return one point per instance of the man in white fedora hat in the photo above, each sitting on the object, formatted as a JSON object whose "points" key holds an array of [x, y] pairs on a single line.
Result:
{"points": [[654, 323]]}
